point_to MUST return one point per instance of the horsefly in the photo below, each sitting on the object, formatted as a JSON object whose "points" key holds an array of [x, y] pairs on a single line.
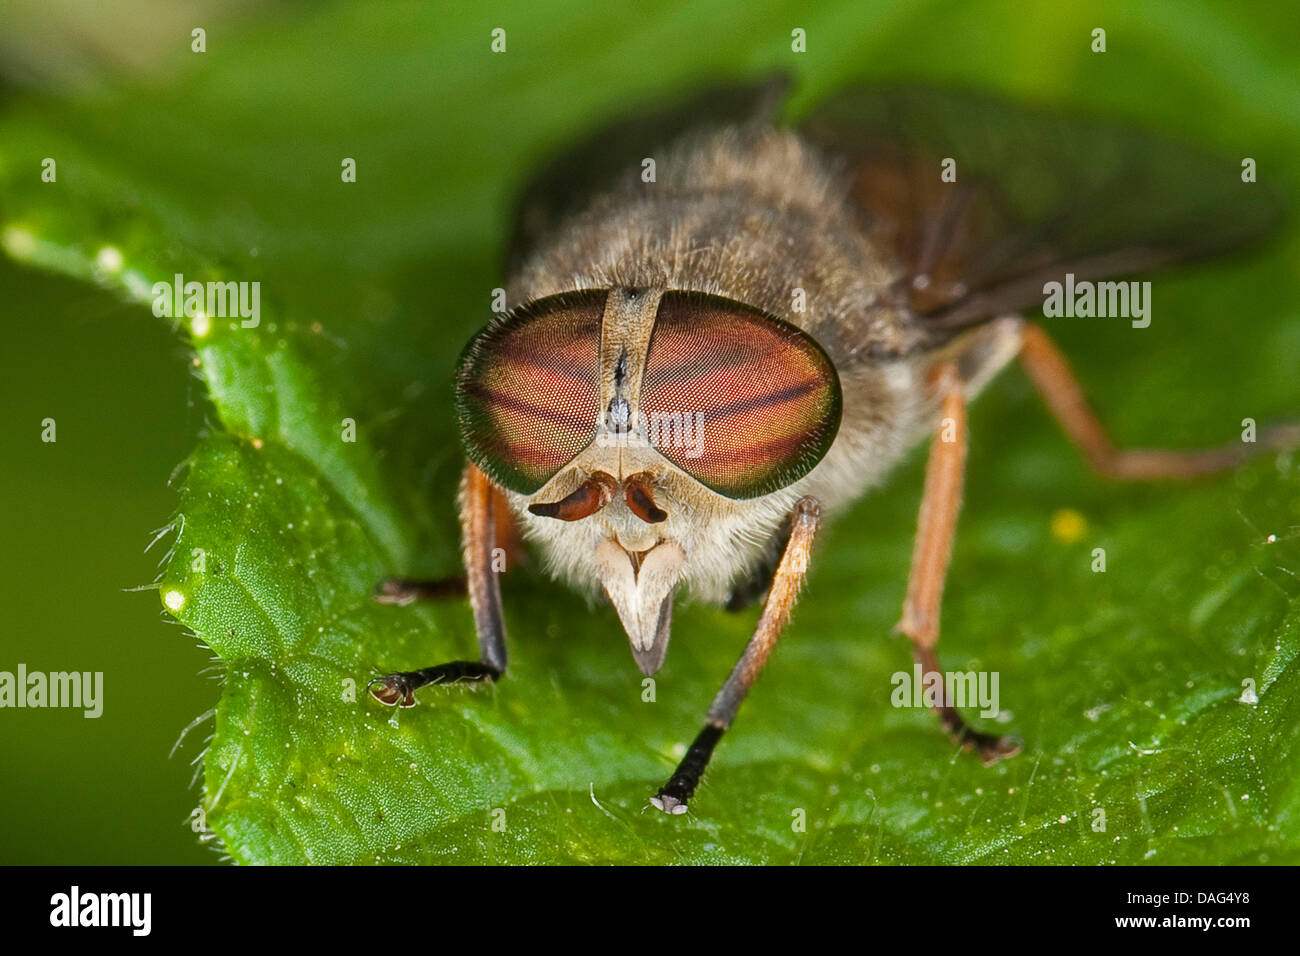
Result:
{"points": [[721, 331]]}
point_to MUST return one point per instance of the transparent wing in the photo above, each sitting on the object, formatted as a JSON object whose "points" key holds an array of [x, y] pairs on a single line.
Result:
{"points": [[1038, 193]]}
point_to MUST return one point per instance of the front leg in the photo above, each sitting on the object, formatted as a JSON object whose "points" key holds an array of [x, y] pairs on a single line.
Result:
{"points": [[759, 579], [483, 511], [804, 520]]}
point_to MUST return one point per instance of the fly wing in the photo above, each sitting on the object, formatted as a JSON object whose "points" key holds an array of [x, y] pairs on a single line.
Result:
{"points": [[564, 186], [1037, 194]]}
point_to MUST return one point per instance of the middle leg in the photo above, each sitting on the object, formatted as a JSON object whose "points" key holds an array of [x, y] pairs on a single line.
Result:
{"points": [[936, 526]]}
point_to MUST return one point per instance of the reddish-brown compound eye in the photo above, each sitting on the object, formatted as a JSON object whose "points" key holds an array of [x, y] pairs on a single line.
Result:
{"points": [[744, 403], [527, 389]]}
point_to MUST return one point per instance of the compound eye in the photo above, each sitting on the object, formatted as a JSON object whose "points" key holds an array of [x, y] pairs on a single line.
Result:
{"points": [[528, 387], [741, 401]]}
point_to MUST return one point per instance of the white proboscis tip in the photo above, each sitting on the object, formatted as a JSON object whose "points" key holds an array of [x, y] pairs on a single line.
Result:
{"points": [[174, 600]]}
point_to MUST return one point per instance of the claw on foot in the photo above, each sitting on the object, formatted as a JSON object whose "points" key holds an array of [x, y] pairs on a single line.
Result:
{"points": [[990, 747], [403, 591], [668, 804], [393, 592], [392, 690], [400, 688]]}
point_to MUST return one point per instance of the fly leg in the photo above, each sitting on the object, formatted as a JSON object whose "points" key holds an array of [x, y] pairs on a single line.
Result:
{"points": [[403, 591], [484, 521], [759, 579], [1048, 369], [790, 572], [936, 526]]}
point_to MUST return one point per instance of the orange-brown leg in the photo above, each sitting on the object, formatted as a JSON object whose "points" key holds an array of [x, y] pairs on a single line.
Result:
{"points": [[790, 573], [1048, 369], [936, 526], [402, 591], [483, 510]]}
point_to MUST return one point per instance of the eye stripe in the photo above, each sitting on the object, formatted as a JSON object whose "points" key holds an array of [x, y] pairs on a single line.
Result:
{"points": [[529, 396], [533, 410], [517, 351], [767, 402], [756, 455]]}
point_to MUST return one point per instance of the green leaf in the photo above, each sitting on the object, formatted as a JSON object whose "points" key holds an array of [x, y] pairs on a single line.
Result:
{"points": [[1127, 685]]}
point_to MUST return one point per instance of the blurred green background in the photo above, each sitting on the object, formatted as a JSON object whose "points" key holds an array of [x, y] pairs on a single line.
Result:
{"points": [[78, 513], [76, 523]]}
